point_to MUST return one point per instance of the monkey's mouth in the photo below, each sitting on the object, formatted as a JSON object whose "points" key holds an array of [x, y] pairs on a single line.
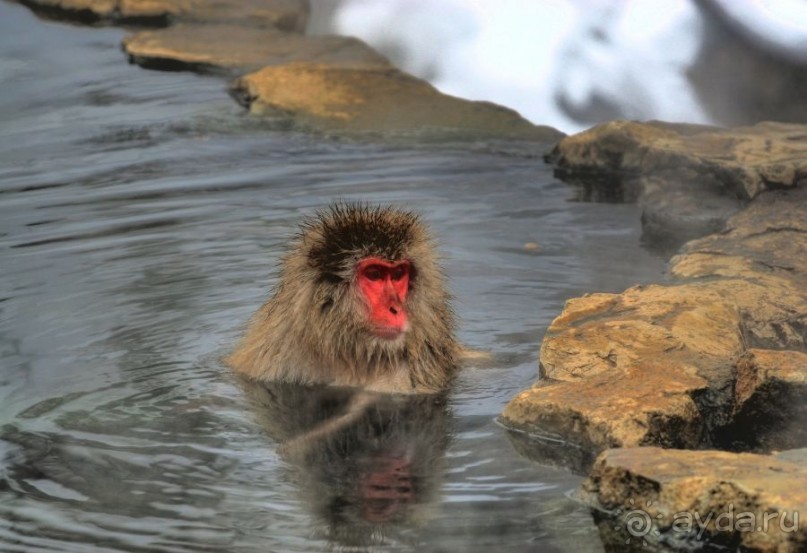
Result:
{"points": [[390, 333]]}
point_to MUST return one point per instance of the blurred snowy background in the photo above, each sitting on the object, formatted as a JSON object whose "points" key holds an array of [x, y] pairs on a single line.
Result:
{"points": [[574, 63]]}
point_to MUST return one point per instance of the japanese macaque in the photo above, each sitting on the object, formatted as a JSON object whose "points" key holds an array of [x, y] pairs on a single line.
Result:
{"points": [[361, 302]]}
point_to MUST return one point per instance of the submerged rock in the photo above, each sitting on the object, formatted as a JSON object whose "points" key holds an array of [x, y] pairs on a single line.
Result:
{"points": [[685, 365], [289, 15], [325, 97], [233, 47], [650, 497], [688, 178]]}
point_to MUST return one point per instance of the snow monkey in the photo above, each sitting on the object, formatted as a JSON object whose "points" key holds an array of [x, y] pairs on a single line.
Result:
{"points": [[361, 302]]}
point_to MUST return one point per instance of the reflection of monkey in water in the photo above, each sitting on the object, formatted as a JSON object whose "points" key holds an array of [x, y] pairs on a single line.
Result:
{"points": [[367, 464]]}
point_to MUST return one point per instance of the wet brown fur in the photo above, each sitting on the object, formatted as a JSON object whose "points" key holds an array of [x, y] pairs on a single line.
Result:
{"points": [[314, 329]]}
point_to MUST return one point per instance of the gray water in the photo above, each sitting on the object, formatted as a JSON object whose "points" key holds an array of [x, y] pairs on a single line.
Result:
{"points": [[142, 215]]}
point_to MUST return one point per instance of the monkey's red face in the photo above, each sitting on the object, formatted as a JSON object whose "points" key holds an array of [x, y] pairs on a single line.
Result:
{"points": [[384, 286]]}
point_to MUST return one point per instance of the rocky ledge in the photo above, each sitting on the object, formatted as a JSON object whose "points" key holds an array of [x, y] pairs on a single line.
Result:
{"points": [[315, 83], [237, 49], [325, 83], [289, 15], [687, 178], [324, 97], [715, 359], [653, 499]]}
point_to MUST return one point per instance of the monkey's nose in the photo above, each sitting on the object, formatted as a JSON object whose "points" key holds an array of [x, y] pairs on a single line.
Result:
{"points": [[393, 310]]}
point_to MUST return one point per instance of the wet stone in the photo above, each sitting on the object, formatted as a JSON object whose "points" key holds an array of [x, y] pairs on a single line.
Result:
{"points": [[288, 15], [714, 360], [673, 500], [744, 160], [688, 179], [323, 97], [235, 48]]}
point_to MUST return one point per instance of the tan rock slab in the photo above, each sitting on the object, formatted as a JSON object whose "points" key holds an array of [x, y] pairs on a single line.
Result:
{"points": [[686, 322], [760, 366], [673, 497], [288, 15], [643, 406], [654, 365], [322, 97], [771, 233], [765, 244], [628, 369], [233, 47], [771, 396], [712, 360], [90, 10], [746, 160]]}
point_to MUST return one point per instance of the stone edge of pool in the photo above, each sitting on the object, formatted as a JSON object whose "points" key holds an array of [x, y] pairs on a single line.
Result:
{"points": [[673, 385]]}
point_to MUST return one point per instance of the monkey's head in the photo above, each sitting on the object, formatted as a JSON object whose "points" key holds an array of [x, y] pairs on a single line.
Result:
{"points": [[371, 273]]}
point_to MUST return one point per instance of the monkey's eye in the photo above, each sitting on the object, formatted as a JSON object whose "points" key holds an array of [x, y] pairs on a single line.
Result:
{"points": [[373, 273], [398, 273]]}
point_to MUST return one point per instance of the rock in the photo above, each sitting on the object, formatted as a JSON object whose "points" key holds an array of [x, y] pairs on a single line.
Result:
{"points": [[234, 47], [688, 179], [88, 11], [684, 365], [771, 397], [323, 97], [622, 370], [676, 499], [765, 244], [770, 232], [743, 161], [676, 210], [288, 15], [641, 406], [320, 83]]}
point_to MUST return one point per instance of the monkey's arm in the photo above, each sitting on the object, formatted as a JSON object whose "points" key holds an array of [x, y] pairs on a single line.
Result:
{"points": [[476, 358]]}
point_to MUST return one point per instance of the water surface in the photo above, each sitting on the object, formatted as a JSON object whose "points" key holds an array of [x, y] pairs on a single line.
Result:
{"points": [[142, 216]]}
